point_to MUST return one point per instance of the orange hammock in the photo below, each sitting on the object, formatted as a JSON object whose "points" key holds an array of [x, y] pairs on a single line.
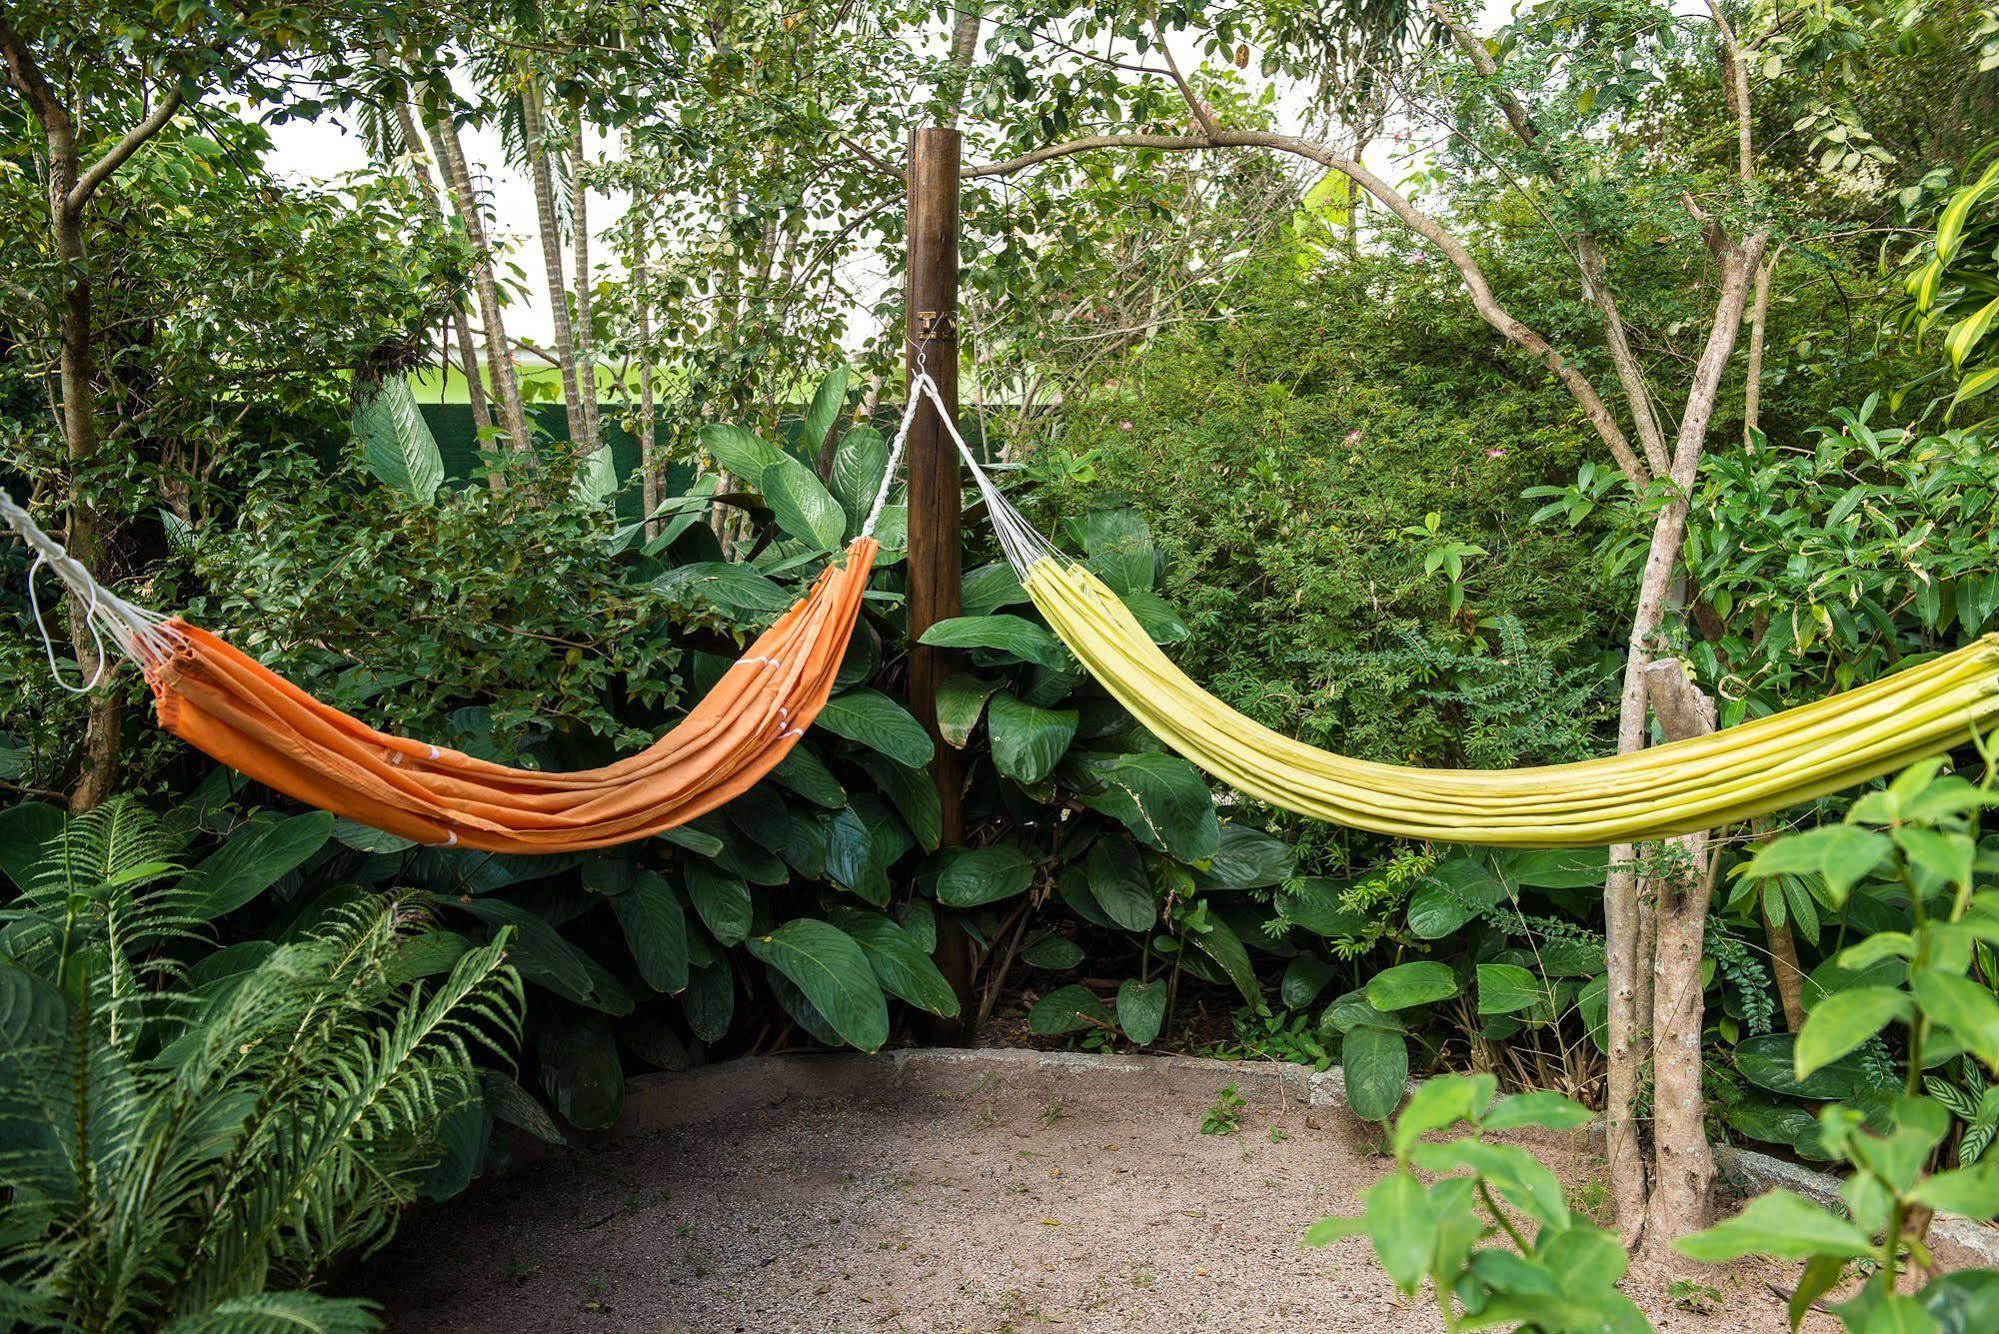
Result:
{"points": [[221, 701]]}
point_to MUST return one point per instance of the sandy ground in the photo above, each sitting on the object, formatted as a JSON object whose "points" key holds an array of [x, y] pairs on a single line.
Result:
{"points": [[788, 1195]]}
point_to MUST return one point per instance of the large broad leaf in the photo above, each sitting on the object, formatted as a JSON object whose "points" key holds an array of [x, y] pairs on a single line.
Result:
{"points": [[709, 1003], [597, 479], [1558, 868], [1120, 547], [807, 775], [1163, 800], [852, 861], [721, 900], [396, 444], [1304, 978], [1375, 1063], [961, 698], [989, 588], [1141, 1009], [1780, 1224], [1505, 988], [1117, 883], [251, 862], [32, 1011], [1317, 904], [827, 400], [1767, 1061], [25, 831], [729, 586], [859, 465], [1028, 741], [804, 508], [1012, 637], [902, 966], [1961, 1005], [969, 878], [1247, 858], [1460, 889], [1162, 625], [913, 794], [537, 950], [830, 967], [1421, 983], [879, 723], [1220, 943], [655, 927], [580, 1070], [1069, 1009], [739, 451], [515, 1106], [1844, 1020]]}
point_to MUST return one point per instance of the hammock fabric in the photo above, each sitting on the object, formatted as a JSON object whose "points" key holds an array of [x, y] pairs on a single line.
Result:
{"points": [[221, 701], [1754, 769]]}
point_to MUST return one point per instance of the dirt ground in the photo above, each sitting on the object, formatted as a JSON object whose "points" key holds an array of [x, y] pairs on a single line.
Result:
{"points": [[981, 1195]]}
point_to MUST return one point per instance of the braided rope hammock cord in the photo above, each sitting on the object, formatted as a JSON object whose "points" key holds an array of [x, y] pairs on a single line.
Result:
{"points": [[1778, 761]]}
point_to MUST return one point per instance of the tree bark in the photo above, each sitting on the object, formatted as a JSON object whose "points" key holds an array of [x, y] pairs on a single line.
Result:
{"points": [[534, 130], [468, 353], [579, 222], [499, 353], [1759, 323], [70, 189], [648, 461]]}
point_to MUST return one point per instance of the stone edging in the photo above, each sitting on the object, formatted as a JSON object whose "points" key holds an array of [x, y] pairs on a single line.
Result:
{"points": [[661, 1101]]}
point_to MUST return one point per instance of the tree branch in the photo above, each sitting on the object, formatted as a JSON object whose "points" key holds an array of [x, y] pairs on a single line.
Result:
{"points": [[1503, 321], [26, 76], [1737, 76], [100, 171]]}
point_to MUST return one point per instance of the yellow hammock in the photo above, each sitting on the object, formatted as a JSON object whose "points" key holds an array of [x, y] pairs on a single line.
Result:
{"points": [[1766, 765]]}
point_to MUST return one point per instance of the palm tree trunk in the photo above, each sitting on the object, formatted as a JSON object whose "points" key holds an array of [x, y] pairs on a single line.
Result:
{"points": [[499, 355], [579, 221], [468, 355], [534, 130]]}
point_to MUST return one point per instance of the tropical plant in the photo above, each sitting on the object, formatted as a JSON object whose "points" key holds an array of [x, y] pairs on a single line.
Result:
{"points": [[1927, 985], [1553, 1271], [190, 1136], [1956, 289]]}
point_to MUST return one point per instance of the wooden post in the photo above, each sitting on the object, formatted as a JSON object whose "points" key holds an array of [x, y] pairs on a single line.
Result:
{"points": [[935, 553]]}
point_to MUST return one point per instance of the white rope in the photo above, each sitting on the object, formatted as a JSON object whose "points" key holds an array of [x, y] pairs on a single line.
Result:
{"points": [[1024, 547], [139, 634], [895, 454]]}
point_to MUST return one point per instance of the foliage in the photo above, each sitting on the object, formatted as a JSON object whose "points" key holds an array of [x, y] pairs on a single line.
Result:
{"points": [[1555, 1270], [1957, 290], [1930, 984], [188, 1127]]}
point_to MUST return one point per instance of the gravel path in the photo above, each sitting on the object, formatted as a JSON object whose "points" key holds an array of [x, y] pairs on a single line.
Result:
{"points": [[1000, 1192]]}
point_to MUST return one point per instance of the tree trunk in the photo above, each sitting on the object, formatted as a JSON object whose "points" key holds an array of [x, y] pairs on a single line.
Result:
{"points": [[648, 460], [585, 337], [535, 131], [499, 355], [468, 353], [1759, 321]]}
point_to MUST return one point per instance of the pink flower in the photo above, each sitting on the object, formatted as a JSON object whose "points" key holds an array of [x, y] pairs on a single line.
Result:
{"points": [[1353, 436], [1495, 453], [1124, 426]]}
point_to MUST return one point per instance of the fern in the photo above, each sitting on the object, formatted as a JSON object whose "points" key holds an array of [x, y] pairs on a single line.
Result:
{"points": [[182, 1154]]}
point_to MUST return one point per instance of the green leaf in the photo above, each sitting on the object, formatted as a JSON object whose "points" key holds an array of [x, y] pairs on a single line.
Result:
{"points": [[1117, 882], [26, 831], [1536, 1108], [739, 451], [1421, 983], [709, 1003], [991, 587], [1399, 1225], [961, 698], [1843, 855], [721, 900], [1971, 1191], [730, 586], [1844, 1020], [807, 775], [879, 723], [1052, 952], [514, 1105], [1559, 868], [1769, 1061], [1505, 988], [1458, 890], [1067, 1009], [1162, 625], [251, 862], [580, 1070], [827, 400], [1028, 741], [968, 878], [1247, 858], [804, 508], [1304, 978], [1779, 1224], [32, 1011], [1964, 1007], [1141, 1009], [1440, 1103], [902, 966], [832, 970], [655, 928], [1375, 1064], [1314, 903], [1163, 800], [913, 795], [1013, 637], [396, 444], [1220, 943], [859, 465]]}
